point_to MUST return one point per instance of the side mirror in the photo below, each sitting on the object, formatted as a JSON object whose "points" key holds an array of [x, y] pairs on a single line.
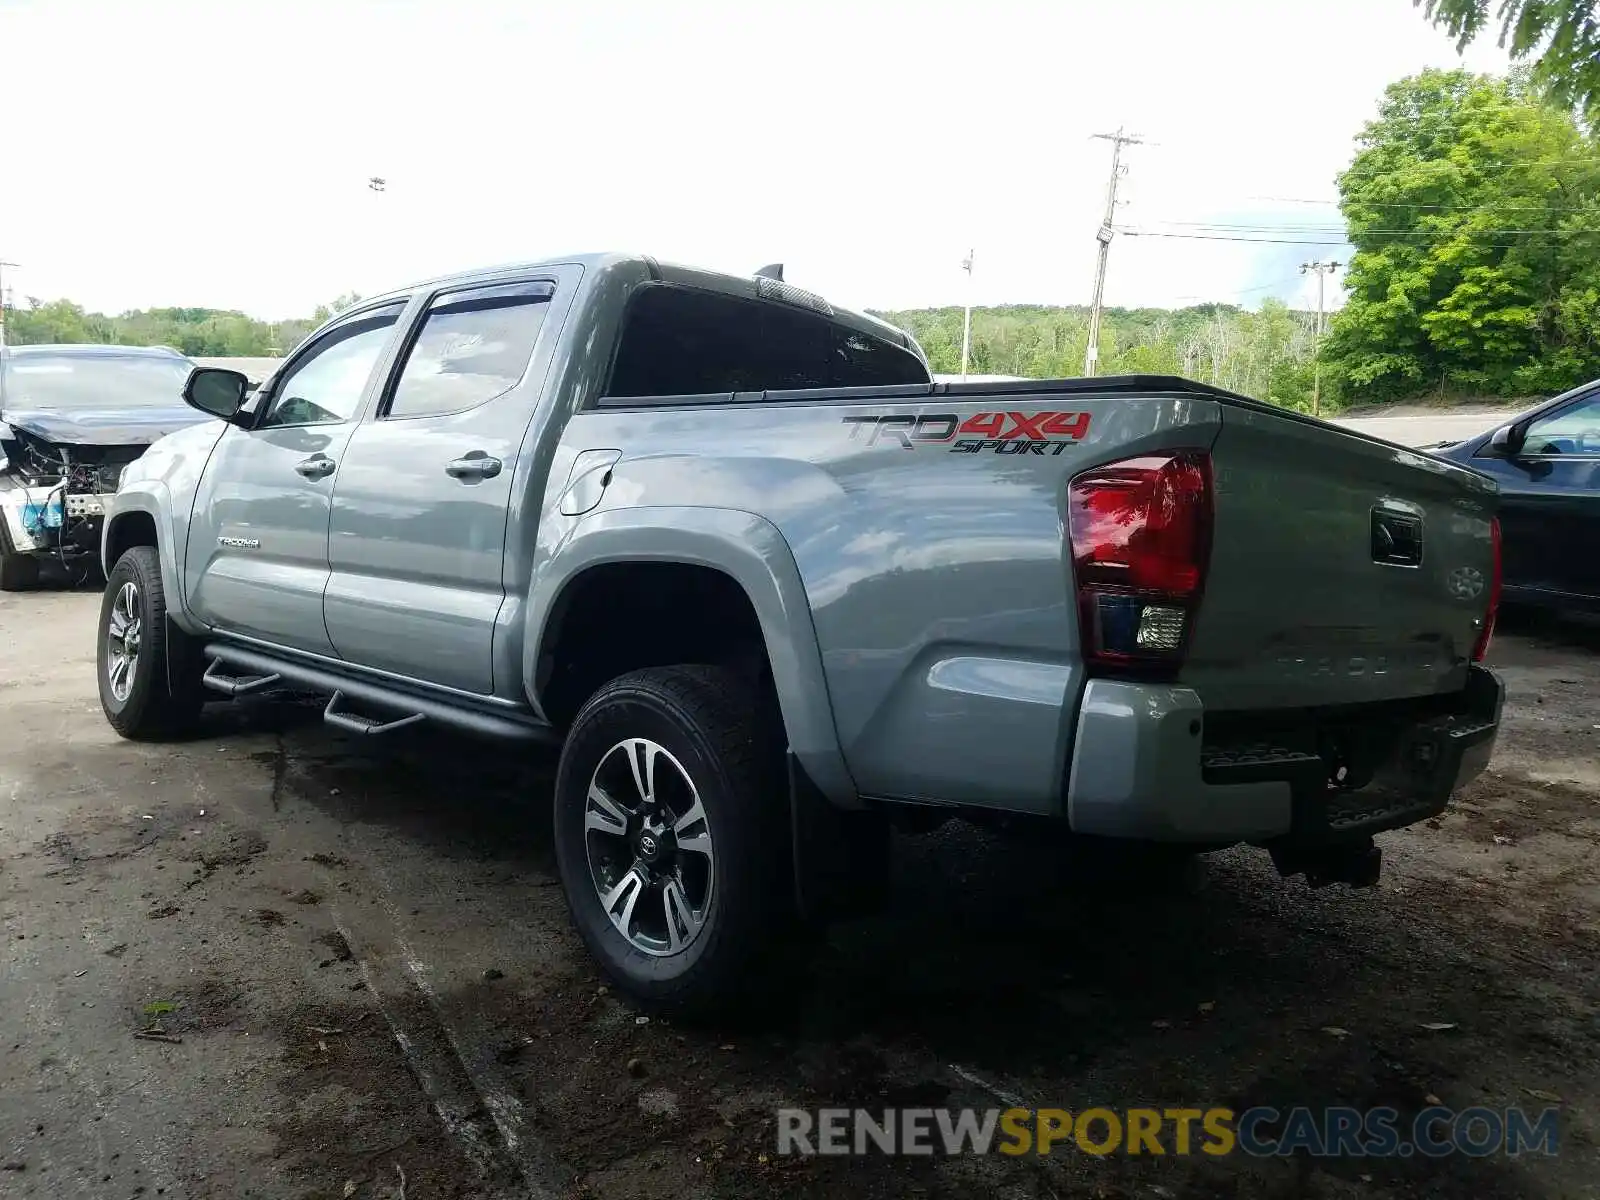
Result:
{"points": [[1506, 441], [217, 391]]}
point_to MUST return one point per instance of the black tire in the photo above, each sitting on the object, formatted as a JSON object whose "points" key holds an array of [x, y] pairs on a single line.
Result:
{"points": [[711, 723], [149, 702], [18, 572]]}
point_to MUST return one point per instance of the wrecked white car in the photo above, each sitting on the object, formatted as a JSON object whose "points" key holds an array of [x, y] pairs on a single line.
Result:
{"points": [[71, 418]]}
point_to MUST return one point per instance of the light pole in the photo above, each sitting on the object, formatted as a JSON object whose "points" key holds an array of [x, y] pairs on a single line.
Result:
{"points": [[966, 321], [1322, 270], [379, 186], [3, 266]]}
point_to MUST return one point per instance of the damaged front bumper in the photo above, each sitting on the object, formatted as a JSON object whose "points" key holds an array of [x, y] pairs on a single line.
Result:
{"points": [[51, 521]]}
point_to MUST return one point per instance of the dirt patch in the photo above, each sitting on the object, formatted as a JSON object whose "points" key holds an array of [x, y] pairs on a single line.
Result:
{"points": [[353, 1112], [335, 941], [220, 848], [209, 1006]]}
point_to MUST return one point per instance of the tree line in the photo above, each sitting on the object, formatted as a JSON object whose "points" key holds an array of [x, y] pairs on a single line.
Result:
{"points": [[1268, 353], [200, 332]]}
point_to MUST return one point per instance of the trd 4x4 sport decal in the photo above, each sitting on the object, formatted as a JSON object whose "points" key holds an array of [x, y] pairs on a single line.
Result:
{"points": [[1001, 432]]}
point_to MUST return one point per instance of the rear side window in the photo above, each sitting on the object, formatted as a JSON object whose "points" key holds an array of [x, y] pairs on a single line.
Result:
{"points": [[683, 342], [473, 346]]}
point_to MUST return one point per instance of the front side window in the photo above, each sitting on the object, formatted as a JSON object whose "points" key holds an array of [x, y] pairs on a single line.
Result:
{"points": [[473, 346], [1574, 430], [324, 387]]}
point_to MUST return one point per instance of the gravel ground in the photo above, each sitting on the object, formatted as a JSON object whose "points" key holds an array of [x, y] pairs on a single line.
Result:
{"points": [[273, 962]]}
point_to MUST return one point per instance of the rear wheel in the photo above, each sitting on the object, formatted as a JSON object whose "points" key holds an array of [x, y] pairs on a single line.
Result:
{"points": [[669, 836], [141, 698]]}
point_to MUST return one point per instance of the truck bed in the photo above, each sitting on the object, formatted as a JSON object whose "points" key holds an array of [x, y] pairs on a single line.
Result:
{"points": [[931, 526]]}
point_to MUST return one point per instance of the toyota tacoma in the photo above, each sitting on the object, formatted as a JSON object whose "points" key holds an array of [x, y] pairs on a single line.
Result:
{"points": [[773, 591]]}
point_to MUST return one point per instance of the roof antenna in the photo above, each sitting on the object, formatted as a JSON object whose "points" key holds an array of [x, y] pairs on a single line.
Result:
{"points": [[771, 271]]}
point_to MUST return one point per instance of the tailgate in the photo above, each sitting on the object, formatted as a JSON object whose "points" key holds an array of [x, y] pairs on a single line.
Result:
{"points": [[1343, 569]]}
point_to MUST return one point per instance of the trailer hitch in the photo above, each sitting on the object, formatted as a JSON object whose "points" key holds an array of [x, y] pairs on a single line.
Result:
{"points": [[1357, 863]]}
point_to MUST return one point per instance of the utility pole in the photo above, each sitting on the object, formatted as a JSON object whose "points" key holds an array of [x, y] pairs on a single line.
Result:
{"points": [[1322, 271], [1103, 235], [3, 266], [966, 321]]}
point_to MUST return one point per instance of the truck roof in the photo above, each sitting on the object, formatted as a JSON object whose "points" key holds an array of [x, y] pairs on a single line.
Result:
{"points": [[747, 286]]}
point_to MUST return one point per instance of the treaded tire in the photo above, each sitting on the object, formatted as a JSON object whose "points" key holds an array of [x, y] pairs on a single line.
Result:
{"points": [[18, 572], [711, 720], [153, 708]]}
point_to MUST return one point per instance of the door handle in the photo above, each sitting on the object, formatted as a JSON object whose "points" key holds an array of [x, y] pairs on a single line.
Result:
{"points": [[319, 467], [473, 467]]}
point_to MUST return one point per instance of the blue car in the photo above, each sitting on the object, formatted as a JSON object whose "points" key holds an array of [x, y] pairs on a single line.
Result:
{"points": [[1547, 462]]}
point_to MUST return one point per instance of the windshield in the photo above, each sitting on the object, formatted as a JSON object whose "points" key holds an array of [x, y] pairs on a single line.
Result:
{"points": [[56, 382]]}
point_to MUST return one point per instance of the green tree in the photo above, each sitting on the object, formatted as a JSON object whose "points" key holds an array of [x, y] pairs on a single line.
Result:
{"points": [[1265, 354], [206, 332], [1474, 209], [1561, 37]]}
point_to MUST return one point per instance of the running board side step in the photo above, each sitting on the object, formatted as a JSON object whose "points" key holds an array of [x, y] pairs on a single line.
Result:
{"points": [[352, 722], [252, 670], [236, 685]]}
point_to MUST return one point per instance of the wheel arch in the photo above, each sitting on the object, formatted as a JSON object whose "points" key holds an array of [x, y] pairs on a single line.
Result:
{"points": [[143, 519], [738, 564]]}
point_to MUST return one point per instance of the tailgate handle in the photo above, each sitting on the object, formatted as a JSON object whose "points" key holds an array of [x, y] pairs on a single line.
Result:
{"points": [[1396, 539]]}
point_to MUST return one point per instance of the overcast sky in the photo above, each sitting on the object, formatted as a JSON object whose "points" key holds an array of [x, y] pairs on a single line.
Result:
{"points": [[216, 153]]}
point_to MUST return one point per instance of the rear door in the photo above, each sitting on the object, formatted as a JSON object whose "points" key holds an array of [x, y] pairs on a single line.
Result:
{"points": [[1550, 503], [417, 541], [257, 557]]}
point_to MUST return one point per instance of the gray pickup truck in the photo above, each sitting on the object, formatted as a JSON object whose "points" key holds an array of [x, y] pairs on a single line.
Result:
{"points": [[773, 591]]}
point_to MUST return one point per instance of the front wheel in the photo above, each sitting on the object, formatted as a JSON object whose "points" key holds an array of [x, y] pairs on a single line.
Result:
{"points": [[141, 698], [669, 836]]}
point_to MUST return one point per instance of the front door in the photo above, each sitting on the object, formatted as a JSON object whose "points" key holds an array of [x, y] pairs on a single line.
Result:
{"points": [[257, 557], [1550, 504], [417, 542]]}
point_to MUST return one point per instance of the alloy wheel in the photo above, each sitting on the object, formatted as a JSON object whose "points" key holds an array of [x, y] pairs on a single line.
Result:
{"points": [[124, 631], [649, 847]]}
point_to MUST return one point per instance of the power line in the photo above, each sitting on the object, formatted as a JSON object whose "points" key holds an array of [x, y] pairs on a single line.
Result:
{"points": [[1209, 237], [1414, 231], [1410, 204], [1432, 207], [1414, 237]]}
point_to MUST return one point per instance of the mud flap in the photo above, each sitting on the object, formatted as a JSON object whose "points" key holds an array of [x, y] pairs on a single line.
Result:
{"points": [[841, 857], [185, 662]]}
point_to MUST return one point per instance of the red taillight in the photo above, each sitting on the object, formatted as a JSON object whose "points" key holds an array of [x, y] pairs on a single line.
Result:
{"points": [[1486, 635], [1140, 531]]}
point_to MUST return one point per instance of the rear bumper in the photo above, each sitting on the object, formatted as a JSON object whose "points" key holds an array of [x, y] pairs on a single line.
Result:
{"points": [[1148, 764]]}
